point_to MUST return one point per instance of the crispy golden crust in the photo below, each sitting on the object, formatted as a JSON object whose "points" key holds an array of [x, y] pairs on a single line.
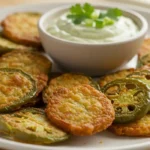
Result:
{"points": [[22, 28], [7, 46], [138, 128], [80, 110], [145, 49], [30, 62], [13, 86], [30, 125], [16, 89], [67, 80], [117, 75]]}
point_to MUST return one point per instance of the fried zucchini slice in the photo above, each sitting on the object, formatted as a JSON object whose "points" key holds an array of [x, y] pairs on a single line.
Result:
{"points": [[33, 63], [117, 75], [7, 46], [16, 89], [129, 97], [66, 80], [22, 28], [138, 128], [80, 110], [30, 125]]}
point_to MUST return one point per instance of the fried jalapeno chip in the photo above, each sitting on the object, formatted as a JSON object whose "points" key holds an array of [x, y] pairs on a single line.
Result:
{"points": [[30, 125], [129, 97], [138, 128], [117, 75], [22, 28], [7, 46], [67, 80], [33, 63], [16, 89], [80, 110]]}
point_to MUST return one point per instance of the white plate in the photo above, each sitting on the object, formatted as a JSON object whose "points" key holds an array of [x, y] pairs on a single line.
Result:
{"points": [[100, 141]]}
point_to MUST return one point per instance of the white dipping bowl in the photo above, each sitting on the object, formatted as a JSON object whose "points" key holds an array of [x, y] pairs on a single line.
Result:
{"points": [[91, 59]]}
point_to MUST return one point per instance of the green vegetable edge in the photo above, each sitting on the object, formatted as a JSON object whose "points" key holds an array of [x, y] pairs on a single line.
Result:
{"points": [[143, 111], [85, 14], [24, 100], [11, 132]]}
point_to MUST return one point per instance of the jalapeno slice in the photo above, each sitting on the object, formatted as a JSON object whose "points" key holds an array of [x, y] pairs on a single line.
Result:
{"points": [[129, 97], [6, 46], [32, 126], [33, 63], [16, 89]]}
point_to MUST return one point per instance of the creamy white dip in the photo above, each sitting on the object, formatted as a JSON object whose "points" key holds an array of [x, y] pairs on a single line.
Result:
{"points": [[123, 28]]}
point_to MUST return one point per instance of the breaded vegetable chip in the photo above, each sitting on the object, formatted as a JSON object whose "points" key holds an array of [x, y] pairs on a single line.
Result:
{"points": [[80, 110], [16, 89], [30, 125], [138, 128], [67, 80], [7, 46], [117, 75], [22, 28], [33, 63], [129, 97]]}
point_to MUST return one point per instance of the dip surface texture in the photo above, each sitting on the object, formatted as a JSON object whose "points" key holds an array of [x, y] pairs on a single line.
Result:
{"points": [[63, 28]]}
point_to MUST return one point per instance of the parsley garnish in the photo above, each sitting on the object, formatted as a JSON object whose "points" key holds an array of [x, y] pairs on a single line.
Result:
{"points": [[112, 13], [85, 14]]}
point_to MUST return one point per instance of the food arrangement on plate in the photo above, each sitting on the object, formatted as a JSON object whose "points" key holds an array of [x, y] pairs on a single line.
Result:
{"points": [[38, 106]]}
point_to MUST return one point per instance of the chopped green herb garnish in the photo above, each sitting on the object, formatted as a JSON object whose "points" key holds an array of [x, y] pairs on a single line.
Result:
{"points": [[87, 15], [99, 23], [112, 13], [88, 22]]}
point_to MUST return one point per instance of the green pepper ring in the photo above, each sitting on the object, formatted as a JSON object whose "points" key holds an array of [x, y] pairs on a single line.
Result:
{"points": [[135, 106], [15, 126], [25, 99]]}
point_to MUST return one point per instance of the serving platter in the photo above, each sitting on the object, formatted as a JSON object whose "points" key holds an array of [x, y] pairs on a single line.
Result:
{"points": [[100, 141]]}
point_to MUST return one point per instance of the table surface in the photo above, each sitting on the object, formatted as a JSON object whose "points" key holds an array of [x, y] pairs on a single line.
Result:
{"points": [[4, 3]]}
